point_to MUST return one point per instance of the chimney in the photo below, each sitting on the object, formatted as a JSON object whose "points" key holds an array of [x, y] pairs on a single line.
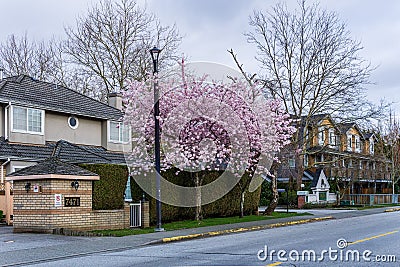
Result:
{"points": [[115, 100]]}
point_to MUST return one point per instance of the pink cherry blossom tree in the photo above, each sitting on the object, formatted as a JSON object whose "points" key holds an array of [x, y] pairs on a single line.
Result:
{"points": [[206, 126]]}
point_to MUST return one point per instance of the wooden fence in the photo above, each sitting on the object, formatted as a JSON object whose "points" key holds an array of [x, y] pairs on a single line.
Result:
{"points": [[370, 199]]}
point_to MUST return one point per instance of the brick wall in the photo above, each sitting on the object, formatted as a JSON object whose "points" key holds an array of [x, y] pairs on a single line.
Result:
{"points": [[36, 212]]}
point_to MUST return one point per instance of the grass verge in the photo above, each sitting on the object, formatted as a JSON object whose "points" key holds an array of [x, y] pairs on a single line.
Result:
{"points": [[194, 224]]}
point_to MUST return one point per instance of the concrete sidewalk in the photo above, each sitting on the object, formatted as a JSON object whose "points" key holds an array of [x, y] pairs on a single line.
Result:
{"points": [[24, 249]]}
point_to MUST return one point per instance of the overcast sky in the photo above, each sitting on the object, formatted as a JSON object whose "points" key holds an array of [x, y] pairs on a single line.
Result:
{"points": [[210, 27]]}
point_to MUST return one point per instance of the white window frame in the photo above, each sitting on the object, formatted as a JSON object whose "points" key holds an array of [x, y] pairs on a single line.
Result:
{"points": [[42, 115], [332, 138], [321, 136], [371, 146], [292, 162], [357, 144], [305, 160], [350, 165], [349, 142], [119, 135]]}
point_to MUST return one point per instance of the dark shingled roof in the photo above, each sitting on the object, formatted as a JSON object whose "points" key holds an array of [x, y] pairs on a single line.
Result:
{"points": [[26, 91], [63, 150], [313, 120], [316, 177], [53, 165]]}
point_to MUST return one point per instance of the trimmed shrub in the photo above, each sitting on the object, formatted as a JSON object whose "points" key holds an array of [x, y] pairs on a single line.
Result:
{"points": [[108, 192], [228, 205]]}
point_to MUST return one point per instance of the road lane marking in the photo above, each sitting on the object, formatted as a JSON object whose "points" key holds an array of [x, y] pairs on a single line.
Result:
{"points": [[372, 237], [242, 229], [275, 263]]}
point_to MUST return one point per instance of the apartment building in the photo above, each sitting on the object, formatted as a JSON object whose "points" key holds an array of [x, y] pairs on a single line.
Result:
{"points": [[344, 151]]}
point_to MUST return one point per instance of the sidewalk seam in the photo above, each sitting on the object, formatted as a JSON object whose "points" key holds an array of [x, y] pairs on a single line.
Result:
{"points": [[242, 229]]}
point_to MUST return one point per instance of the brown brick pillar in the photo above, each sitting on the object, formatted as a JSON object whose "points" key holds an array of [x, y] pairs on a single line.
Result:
{"points": [[127, 215], [301, 200], [9, 203], [145, 214]]}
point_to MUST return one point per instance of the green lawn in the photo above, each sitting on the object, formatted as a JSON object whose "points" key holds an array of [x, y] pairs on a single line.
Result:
{"points": [[193, 224]]}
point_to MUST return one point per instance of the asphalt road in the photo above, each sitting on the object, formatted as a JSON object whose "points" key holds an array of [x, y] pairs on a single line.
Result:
{"points": [[373, 238]]}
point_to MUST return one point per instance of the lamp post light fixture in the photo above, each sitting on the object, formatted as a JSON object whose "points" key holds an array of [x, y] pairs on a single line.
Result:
{"points": [[27, 187], [155, 53], [75, 185]]}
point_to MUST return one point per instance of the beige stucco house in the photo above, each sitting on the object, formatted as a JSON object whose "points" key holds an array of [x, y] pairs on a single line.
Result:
{"points": [[40, 119]]}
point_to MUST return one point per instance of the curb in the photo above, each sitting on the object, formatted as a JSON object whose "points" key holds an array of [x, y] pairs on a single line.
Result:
{"points": [[239, 230], [392, 210]]}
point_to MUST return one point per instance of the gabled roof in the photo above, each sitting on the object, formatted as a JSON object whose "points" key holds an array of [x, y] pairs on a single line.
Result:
{"points": [[368, 135], [344, 127], [52, 165], [316, 176], [63, 150], [26, 91]]}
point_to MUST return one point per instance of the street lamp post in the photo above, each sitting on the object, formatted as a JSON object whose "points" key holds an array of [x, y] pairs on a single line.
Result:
{"points": [[155, 52]]}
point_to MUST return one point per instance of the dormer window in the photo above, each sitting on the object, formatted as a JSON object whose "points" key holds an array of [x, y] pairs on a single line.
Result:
{"points": [[27, 120], [118, 132]]}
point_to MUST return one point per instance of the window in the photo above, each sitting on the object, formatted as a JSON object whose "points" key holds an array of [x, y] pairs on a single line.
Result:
{"points": [[332, 138], [360, 165], [305, 161], [358, 144], [27, 120], [349, 142], [321, 136], [371, 146], [335, 160], [292, 162], [118, 132], [350, 164], [73, 122]]}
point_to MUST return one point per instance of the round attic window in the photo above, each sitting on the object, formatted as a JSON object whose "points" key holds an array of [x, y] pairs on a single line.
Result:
{"points": [[73, 122]]}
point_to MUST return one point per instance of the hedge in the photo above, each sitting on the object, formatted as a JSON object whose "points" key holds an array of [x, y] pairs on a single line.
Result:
{"points": [[108, 192], [228, 205]]}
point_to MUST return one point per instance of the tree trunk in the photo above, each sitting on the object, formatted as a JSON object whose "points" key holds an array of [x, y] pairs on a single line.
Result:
{"points": [[274, 202], [299, 170], [198, 198], [242, 204]]}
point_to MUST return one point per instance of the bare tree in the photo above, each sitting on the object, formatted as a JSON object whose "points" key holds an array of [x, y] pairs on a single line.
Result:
{"points": [[19, 55], [112, 41], [310, 62], [392, 139]]}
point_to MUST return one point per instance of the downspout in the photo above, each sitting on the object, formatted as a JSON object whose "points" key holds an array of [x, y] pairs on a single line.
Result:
{"points": [[2, 169], [6, 120]]}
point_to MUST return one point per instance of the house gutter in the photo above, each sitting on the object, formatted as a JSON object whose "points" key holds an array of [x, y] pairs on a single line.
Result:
{"points": [[2, 170]]}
